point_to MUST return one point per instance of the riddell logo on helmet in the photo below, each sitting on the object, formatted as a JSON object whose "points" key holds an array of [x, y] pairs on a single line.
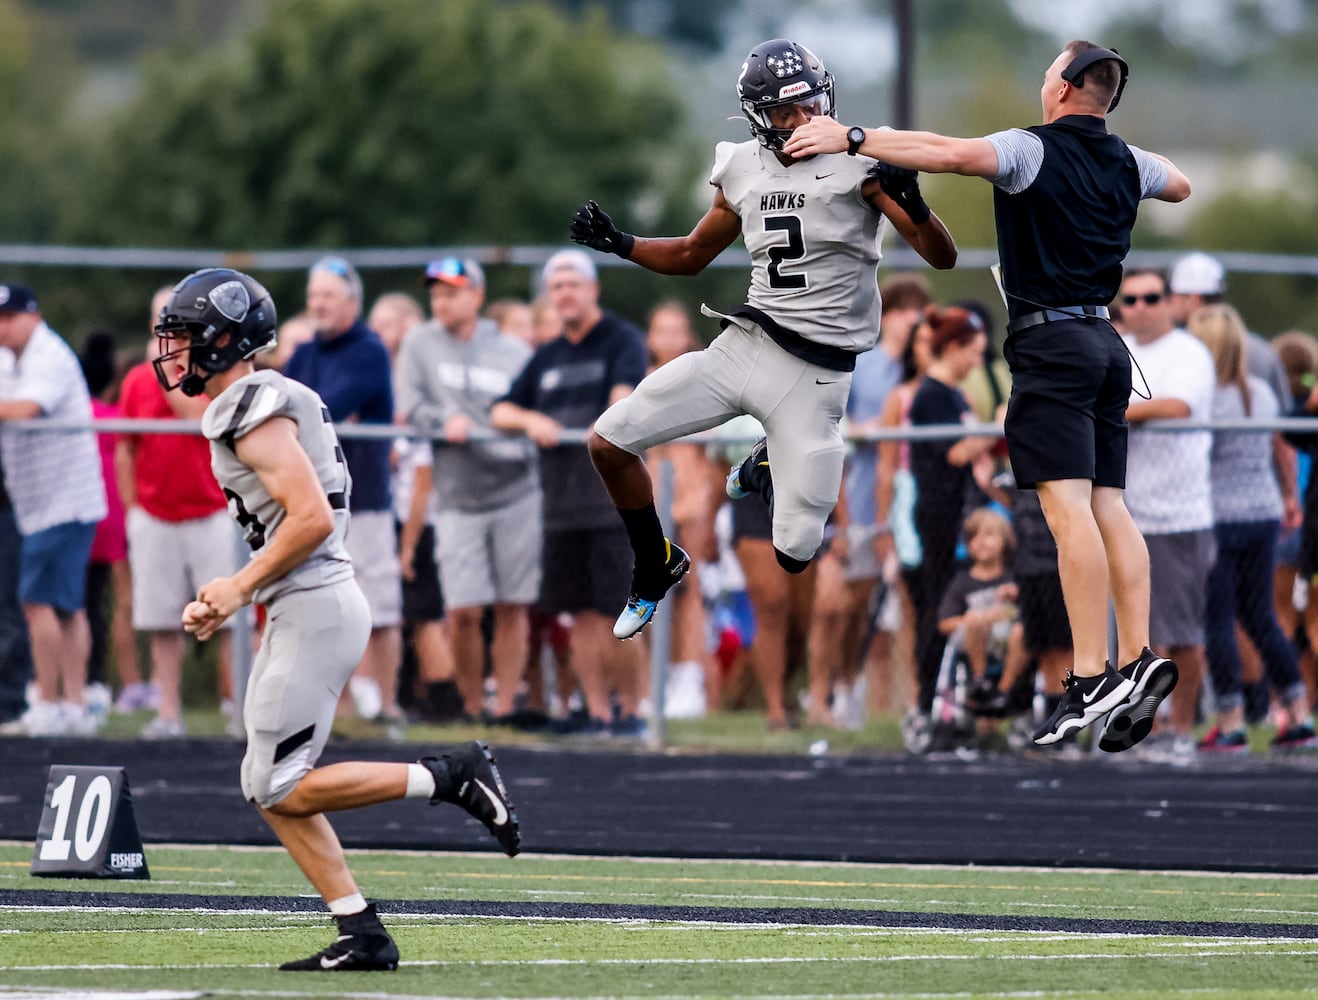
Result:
{"points": [[792, 89]]}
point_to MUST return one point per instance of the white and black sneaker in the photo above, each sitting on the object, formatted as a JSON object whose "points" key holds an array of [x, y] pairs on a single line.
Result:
{"points": [[468, 776], [1084, 701], [363, 945], [1152, 678]]}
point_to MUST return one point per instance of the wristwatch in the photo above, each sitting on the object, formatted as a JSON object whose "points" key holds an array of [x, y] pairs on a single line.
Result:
{"points": [[855, 136]]}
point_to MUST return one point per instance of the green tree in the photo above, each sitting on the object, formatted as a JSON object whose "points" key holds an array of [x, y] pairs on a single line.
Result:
{"points": [[36, 77], [352, 123], [1275, 223]]}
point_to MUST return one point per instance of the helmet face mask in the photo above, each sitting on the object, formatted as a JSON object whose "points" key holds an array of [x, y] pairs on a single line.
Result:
{"points": [[214, 319], [777, 76]]}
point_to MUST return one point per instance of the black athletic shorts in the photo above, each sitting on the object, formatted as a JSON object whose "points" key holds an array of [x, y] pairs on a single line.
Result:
{"points": [[1043, 612], [1066, 419], [423, 600], [750, 519], [588, 570]]}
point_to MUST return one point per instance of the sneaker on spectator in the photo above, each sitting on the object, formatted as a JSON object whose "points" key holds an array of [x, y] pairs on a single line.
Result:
{"points": [[1216, 741], [44, 718], [684, 694], [1169, 748], [161, 728], [131, 698], [1084, 700], [1293, 738], [849, 705], [917, 731], [136, 697], [985, 698], [1153, 677], [81, 720], [628, 727], [98, 699], [366, 697]]}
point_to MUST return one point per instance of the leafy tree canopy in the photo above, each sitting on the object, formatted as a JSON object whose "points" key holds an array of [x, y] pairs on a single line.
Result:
{"points": [[356, 123], [385, 122]]}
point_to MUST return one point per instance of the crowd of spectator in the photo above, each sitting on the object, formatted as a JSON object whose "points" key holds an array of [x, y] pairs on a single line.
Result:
{"points": [[493, 561]]}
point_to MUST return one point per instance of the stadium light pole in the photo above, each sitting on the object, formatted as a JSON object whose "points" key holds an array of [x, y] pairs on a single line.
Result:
{"points": [[903, 91]]}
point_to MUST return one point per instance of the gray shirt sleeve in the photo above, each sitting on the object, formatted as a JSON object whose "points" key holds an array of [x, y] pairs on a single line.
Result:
{"points": [[1153, 172], [1020, 156], [414, 397]]}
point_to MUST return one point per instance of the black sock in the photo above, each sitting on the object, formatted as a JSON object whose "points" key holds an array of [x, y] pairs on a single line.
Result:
{"points": [[365, 922], [647, 537]]}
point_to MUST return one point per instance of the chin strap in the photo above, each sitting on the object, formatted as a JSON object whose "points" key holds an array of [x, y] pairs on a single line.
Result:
{"points": [[192, 384]]}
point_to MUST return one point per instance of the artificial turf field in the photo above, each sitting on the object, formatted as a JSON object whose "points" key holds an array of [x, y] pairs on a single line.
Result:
{"points": [[215, 921]]}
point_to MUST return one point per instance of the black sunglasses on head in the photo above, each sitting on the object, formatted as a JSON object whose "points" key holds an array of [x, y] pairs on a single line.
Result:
{"points": [[1148, 298]]}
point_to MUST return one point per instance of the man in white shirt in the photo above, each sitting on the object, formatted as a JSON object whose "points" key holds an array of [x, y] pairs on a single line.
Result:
{"points": [[1167, 482], [54, 480]]}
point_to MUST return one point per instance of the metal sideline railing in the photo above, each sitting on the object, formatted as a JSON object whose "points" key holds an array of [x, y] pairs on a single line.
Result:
{"points": [[534, 256]]}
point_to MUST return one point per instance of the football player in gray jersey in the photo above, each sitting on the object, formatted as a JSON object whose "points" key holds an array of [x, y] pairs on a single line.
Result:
{"points": [[786, 355], [277, 457]]}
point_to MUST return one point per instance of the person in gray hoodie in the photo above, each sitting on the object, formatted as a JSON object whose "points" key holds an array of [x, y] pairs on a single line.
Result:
{"points": [[490, 529]]}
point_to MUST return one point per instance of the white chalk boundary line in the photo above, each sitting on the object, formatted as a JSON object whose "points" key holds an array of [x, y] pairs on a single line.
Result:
{"points": [[762, 960]]}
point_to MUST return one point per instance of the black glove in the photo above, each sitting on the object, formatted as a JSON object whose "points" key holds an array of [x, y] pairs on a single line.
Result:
{"points": [[592, 227], [902, 185]]}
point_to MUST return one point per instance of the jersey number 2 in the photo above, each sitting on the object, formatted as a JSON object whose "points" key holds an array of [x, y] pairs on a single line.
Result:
{"points": [[793, 249]]}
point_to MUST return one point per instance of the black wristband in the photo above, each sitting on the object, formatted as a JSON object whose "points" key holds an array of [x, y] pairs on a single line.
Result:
{"points": [[626, 241], [916, 210]]}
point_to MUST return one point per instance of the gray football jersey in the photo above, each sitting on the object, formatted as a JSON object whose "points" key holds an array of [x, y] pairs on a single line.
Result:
{"points": [[241, 408], [814, 242]]}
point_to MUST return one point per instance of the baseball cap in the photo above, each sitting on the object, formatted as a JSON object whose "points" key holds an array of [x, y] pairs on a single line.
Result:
{"points": [[570, 260], [1197, 274], [460, 272], [17, 299]]}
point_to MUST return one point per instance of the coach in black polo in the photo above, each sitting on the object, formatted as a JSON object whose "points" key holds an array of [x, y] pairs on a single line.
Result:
{"points": [[1066, 196]]}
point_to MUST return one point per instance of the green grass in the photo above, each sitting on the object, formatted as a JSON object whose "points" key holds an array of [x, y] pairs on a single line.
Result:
{"points": [[744, 732], [553, 955]]}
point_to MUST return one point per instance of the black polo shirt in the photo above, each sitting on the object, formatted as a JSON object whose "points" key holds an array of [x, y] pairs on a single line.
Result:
{"points": [[1063, 238]]}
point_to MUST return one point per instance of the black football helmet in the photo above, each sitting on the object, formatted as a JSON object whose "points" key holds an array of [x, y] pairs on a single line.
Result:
{"points": [[777, 73], [225, 316]]}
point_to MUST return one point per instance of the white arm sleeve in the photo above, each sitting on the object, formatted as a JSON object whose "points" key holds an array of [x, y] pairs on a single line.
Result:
{"points": [[1020, 156], [1153, 172]]}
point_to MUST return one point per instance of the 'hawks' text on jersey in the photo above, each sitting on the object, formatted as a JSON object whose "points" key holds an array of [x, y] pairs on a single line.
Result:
{"points": [[814, 241]]}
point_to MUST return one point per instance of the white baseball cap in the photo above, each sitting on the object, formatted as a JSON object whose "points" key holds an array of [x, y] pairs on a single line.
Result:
{"points": [[570, 260], [1197, 274]]}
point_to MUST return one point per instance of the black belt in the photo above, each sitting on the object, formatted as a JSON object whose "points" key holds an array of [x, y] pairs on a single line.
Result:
{"points": [[835, 359], [1057, 315], [338, 500]]}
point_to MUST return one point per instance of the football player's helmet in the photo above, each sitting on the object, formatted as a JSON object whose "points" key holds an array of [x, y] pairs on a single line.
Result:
{"points": [[224, 316], [778, 73]]}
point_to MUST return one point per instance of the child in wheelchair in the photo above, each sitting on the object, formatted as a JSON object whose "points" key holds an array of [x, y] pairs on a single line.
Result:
{"points": [[978, 614]]}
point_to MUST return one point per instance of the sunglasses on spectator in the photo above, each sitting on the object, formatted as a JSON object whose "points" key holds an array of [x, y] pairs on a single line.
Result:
{"points": [[1148, 298]]}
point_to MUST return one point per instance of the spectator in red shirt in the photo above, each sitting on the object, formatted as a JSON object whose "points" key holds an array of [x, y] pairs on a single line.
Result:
{"points": [[109, 581], [179, 533]]}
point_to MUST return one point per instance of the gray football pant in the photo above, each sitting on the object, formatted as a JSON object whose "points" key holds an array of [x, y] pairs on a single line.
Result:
{"points": [[800, 405], [313, 641]]}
